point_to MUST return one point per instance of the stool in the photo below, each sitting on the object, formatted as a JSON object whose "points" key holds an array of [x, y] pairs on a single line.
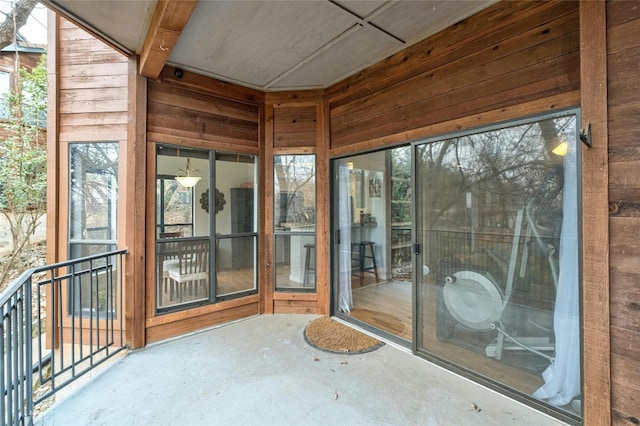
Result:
{"points": [[359, 253], [309, 264]]}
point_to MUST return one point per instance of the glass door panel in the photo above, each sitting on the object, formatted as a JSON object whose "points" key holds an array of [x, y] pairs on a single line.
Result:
{"points": [[373, 216], [497, 224]]}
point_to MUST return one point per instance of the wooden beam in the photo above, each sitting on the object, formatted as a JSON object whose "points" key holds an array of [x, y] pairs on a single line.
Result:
{"points": [[596, 402], [169, 19], [323, 204], [134, 218]]}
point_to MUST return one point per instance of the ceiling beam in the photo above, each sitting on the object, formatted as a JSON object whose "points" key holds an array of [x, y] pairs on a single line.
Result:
{"points": [[169, 19]]}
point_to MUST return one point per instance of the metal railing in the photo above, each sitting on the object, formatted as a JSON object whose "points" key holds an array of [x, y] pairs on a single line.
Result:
{"points": [[58, 322]]}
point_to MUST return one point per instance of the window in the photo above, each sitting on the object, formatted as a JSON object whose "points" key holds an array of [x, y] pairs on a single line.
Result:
{"points": [[5, 91], [206, 232], [93, 216], [175, 207], [497, 223], [294, 213]]}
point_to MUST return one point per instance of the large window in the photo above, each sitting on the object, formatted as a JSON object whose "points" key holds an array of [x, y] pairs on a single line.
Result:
{"points": [[93, 217], [497, 223], [294, 213], [206, 233]]}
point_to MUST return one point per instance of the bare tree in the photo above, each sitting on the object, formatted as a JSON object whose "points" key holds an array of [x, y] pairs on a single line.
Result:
{"points": [[15, 19]]}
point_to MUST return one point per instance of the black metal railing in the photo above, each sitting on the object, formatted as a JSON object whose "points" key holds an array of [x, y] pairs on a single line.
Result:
{"points": [[58, 322]]}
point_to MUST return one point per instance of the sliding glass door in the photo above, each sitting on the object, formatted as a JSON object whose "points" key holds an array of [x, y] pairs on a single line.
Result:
{"points": [[497, 224], [466, 248], [372, 248]]}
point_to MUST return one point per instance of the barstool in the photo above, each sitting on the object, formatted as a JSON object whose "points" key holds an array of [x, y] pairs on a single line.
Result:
{"points": [[359, 250], [309, 263]]}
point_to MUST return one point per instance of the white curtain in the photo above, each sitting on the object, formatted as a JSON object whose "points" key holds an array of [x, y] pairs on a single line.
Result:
{"points": [[562, 378], [344, 225]]}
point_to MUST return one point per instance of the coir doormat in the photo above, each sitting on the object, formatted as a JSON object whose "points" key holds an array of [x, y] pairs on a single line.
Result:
{"points": [[331, 336]]}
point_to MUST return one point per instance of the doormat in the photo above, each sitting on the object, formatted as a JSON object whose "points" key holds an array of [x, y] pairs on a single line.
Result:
{"points": [[331, 336]]}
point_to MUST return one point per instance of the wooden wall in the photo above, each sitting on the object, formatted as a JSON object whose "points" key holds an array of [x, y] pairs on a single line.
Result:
{"points": [[90, 83], [193, 110], [507, 61], [296, 123], [92, 88], [27, 60], [623, 59]]}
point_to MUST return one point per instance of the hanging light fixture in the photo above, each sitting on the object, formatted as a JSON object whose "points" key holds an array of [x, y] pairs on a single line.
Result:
{"points": [[185, 178]]}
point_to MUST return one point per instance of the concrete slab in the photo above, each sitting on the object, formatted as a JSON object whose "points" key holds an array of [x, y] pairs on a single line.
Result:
{"points": [[260, 371]]}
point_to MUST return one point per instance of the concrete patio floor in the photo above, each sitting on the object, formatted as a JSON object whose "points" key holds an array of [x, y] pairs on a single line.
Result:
{"points": [[260, 371]]}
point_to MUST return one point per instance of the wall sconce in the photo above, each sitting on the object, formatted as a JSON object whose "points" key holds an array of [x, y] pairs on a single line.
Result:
{"points": [[184, 177]]}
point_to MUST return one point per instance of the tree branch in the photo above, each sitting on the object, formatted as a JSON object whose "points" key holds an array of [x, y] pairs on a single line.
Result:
{"points": [[20, 14]]}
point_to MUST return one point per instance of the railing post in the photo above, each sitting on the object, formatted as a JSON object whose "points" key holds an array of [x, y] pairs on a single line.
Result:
{"points": [[28, 338]]}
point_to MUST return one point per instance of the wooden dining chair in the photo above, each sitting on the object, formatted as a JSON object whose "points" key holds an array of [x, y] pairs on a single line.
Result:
{"points": [[192, 269], [167, 255]]}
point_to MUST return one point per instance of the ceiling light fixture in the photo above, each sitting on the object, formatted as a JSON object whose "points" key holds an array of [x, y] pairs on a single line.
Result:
{"points": [[185, 178]]}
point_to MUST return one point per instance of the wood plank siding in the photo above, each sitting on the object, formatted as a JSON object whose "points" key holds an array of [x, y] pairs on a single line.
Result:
{"points": [[623, 57], [90, 82], [92, 88], [294, 125], [179, 112], [510, 54]]}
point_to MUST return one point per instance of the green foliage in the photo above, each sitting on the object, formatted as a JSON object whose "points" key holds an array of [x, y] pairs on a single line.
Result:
{"points": [[23, 158]]}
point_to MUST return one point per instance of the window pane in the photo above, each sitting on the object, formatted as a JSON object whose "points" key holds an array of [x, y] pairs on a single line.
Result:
{"points": [[498, 228], [236, 224], [175, 208], [295, 191], [94, 289], [5, 87], [183, 224], [372, 213], [183, 271], [236, 275], [235, 193], [294, 221], [93, 191]]}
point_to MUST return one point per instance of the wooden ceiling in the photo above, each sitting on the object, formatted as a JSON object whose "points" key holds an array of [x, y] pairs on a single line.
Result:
{"points": [[266, 45]]}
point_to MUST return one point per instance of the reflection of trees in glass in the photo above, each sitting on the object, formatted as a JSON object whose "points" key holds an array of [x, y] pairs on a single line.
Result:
{"points": [[294, 183], [504, 167], [489, 174], [94, 190]]}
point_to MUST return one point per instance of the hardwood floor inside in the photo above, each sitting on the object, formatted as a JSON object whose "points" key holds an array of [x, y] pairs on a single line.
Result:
{"points": [[387, 306], [228, 282]]}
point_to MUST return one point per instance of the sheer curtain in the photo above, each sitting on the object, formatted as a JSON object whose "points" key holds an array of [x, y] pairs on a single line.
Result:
{"points": [[562, 378], [345, 302]]}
